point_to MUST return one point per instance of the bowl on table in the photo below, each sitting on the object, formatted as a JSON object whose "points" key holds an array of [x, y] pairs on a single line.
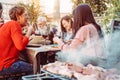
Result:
{"points": [[39, 40]]}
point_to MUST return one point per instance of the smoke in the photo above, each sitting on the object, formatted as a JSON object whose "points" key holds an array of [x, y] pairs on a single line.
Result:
{"points": [[76, 58], [111, 54]]}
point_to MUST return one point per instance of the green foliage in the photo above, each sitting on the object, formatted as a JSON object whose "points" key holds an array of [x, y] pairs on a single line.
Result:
{"points": [[112, 12], [98, 6], [107, 9], [33, 9], [76, 3]]}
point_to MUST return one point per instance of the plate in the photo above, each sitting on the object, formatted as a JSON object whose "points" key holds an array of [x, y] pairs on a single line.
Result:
{"points": [[52, 47], [34, 45]]}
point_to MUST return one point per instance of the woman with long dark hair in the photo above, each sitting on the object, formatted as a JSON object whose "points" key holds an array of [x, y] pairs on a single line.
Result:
{"points": [[83, 16], [87, 33], [66, 28], [1, 9]]}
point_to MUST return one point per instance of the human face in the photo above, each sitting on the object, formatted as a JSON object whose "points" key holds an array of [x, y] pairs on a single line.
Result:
{"points": [[66, 24], [23, 19], [42, 24]]}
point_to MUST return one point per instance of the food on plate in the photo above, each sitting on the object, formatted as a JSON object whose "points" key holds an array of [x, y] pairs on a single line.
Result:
{"points": [[52, 47], [55, 46]]}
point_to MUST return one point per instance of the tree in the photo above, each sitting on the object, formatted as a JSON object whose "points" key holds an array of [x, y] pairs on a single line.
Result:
{"points": [[98, 6], [33, 9], [76, 3], [113, 8], [112, 12]]}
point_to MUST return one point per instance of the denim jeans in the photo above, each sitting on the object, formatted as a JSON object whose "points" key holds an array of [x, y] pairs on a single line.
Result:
{"points": [[18, 67]]}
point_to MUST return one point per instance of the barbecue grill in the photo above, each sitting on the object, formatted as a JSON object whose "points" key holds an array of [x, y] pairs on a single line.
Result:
{"points": [[45, 75]]}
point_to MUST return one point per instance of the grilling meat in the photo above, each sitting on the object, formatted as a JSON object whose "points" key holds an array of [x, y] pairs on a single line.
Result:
{"points": [[90, 69], [76, 68], [58, 68], [79, 71]]}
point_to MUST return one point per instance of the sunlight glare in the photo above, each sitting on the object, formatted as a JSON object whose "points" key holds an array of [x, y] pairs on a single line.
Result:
{"points": [[48, 5]]}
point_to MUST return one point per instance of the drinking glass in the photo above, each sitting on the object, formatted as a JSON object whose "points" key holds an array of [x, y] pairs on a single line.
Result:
{"points": [[45, 36]]}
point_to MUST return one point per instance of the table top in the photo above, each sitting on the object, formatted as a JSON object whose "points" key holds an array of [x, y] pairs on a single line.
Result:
{"points": [[33, 54], [44, 48]]}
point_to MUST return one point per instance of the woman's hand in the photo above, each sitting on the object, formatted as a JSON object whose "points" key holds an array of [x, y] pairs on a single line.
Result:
{"points": [[29, 31], [59, 41], [31, 37], [56, 39]]}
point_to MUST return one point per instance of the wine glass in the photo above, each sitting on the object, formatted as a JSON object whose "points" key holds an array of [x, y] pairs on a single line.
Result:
{"points": [[45, 36]]}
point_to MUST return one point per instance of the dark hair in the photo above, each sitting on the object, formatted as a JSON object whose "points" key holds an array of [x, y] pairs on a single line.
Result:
{"points": [[1, 9], [82, 14], [1, 6], [16, 11], [67, 18]]}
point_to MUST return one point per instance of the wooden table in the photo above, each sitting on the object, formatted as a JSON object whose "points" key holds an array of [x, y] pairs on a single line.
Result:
{"points": [[33, 55]]}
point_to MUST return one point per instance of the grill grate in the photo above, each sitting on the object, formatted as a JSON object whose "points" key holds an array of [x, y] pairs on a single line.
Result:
{"points": [[46, 76]]}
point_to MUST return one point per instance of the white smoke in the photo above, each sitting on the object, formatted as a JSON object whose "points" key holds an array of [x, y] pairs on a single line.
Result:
{"points": [[112, 55], [77, 56]]}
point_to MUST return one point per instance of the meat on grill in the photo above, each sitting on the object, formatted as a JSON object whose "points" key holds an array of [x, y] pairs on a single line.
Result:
{"points": [[79, 71]]}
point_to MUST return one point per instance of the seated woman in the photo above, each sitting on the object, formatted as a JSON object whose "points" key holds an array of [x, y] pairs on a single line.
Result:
{"points": [[12, 42], [66, 28], [86, 41]]}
